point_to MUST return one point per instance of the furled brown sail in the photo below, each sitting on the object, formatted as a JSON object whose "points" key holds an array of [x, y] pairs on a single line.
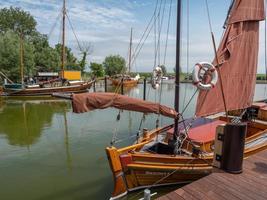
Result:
{"points": [[238, 54], [91, 101]]}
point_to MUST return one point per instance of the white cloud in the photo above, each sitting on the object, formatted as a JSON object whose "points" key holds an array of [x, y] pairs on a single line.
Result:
{"points": [[107, 23]]}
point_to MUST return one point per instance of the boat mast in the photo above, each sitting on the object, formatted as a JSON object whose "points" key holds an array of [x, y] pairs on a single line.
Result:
{"points": [[177, 67], [21, 58], [130, 51], [63, 39]]}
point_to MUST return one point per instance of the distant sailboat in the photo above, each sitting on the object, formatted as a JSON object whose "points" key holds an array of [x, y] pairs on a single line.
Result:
{"points": [[125, 79], [21, 89]]}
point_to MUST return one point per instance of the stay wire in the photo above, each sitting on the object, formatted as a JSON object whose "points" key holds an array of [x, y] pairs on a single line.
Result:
{"points": [[137, 51], [156, 19], [217, 59], [187, 52], [160, 23], [54, 25], [160, 20], [141, 42], [79, 45], [145, 33], [167, 35]]}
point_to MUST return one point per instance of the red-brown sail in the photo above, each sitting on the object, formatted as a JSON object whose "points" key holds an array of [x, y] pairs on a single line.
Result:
{"points": [[91, 101], [238, 54]]}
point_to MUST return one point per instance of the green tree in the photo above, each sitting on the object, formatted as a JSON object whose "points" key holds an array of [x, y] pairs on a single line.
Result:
{"points": [[10, 56], [87, 50], [46, 58], [38, 55], [17, 20], [83, 61], [97, 69], [114, 64], [71, 60]]}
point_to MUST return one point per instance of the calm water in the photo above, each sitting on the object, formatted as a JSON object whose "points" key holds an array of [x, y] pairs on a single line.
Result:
{"points": [[48, 152]]}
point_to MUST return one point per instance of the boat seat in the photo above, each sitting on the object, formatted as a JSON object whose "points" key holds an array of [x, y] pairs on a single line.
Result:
{"points": [[203, 133]]}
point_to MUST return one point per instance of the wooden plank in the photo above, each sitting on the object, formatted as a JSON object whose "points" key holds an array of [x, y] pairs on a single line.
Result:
{"points": [[207, 188], [164, 198], [181, 192], [249, 185], [222, 191], [228, 188], [174, 196], [195, 193], [239, 188]]}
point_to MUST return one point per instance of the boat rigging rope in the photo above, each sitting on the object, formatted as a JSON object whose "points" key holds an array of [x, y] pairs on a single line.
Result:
{"points": [[187, 53], [217, 59], [145, 34], [160, 22], [79, 45], [167, 35], [141, 42], [54, 25]]}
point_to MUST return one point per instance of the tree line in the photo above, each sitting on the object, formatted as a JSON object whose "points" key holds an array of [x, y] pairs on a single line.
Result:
{"points": [[18, 26]]}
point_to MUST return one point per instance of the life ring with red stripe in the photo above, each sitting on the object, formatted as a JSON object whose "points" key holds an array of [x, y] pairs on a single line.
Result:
{"points": [[201, 70]]}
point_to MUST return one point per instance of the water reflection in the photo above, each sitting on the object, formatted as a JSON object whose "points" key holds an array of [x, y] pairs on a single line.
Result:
{"points": [[22, 121], [66, 140], [67, 158]]}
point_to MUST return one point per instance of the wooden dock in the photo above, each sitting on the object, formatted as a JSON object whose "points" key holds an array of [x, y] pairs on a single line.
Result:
{"points": [[251, 184]]}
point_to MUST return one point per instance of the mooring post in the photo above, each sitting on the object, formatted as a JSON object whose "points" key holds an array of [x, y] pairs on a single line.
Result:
{"points": [[105, 80], [144, 96], [229, 147], [146, 194], [122, 92]]}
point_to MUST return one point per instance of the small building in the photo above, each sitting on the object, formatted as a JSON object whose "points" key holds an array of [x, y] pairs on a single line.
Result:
{"points": [[71, 75]]}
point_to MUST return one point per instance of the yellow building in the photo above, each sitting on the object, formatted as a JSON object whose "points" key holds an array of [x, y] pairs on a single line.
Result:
{"points": [[72, 75]]}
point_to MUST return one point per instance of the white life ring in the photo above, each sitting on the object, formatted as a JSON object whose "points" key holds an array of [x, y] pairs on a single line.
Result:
{"points": [[156, 77], [198, 73]]}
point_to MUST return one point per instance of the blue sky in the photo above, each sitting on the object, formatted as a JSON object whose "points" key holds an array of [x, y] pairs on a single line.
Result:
{"points": [[107, 23]]}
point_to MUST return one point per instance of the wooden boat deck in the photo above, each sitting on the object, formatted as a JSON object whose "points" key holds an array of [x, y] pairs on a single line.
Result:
{"points": [[251, 184]]}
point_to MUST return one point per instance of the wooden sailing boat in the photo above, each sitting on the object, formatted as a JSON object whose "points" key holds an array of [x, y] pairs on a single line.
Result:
{"points": [[25, 90], [183, 152], [123, 79]]}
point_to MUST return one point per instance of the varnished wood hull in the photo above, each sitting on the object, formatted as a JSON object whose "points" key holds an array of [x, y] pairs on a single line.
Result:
{"points": [[143, 169], [126, 83], [49, 90]]}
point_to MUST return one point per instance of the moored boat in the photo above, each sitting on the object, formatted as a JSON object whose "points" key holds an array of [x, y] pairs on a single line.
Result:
{"points": [[47, 87], [125, 79], [184, 151], [37, 91]]}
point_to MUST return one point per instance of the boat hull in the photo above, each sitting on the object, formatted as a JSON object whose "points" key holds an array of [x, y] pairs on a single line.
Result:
{"points": [[135, 169], [126, 83], [49, 90]]}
